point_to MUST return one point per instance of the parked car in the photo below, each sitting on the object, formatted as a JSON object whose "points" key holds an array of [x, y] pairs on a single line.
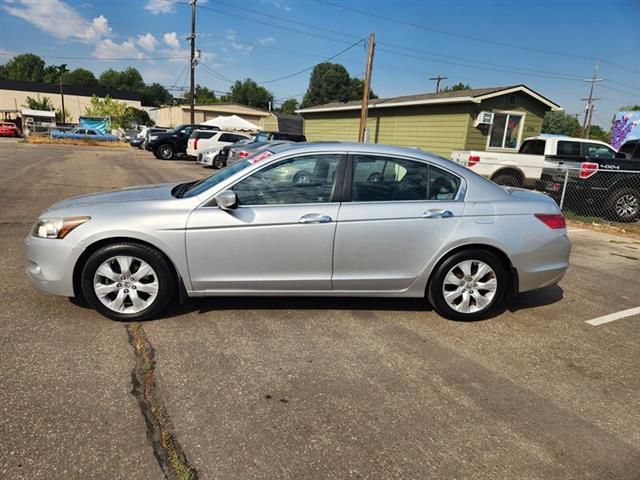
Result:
{"points": [[267, 136], [429, 227], [166, 145], [244, 151], [612, 185], [207, 139], [143, 137], [524, 168], [81, 133], [212, 157], [9, 129]]}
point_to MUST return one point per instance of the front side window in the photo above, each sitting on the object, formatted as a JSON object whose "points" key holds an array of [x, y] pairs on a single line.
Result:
{"points": [[598, 151], [384, 179], [306, 179], [505, 131]]}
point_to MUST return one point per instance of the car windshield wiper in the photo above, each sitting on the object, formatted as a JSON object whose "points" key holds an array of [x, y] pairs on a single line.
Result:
{"points": [[180, 189]]}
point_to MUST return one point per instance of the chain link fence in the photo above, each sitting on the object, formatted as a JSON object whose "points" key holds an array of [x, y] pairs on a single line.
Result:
{"points": [[586, 192]]}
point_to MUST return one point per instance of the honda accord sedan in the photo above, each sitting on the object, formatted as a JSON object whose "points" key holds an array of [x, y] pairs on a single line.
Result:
{"points": [[368, 221]]}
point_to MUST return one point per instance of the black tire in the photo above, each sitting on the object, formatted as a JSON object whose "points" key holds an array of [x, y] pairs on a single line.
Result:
{"points": [[165, 151], [435, 290], [157, 261], [623, 205], [507, 180], [217, 163], [300, 176]]}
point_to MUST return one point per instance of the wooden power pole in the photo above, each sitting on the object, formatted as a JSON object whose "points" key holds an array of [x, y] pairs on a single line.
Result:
{"points": [[192, 86], [62, 95], [588, 113], [438, 79], [367, 85]]}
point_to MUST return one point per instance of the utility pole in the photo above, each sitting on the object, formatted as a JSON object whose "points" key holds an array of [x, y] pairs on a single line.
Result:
{"points": [[588, 113], [365, 90], [438, 79], [62, 95], [192, 62]]}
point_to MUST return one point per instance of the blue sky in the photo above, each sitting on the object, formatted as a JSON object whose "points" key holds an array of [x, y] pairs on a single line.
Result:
{"points": [[546, 45]]}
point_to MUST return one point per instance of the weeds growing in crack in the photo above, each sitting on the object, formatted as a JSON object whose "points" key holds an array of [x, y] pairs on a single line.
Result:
{"points": [[167, 450]]}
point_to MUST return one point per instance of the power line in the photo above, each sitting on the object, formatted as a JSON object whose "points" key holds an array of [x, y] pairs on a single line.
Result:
{"points": [[469, 37]]}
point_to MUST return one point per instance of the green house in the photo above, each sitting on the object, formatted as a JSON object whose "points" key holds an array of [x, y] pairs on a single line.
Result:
{"points": [[495, 119]]}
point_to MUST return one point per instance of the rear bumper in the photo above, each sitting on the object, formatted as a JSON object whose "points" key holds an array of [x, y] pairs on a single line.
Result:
{"points": [[544, 266], [49, 264]]}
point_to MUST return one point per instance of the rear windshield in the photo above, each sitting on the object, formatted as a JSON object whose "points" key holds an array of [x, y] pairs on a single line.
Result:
{"points": [[203, 134]]}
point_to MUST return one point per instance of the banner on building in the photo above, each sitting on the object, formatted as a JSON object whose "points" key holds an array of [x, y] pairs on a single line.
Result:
{"points": [[626, 126]]}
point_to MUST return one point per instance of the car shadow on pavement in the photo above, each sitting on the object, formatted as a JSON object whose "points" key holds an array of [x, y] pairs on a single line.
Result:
{"points": [[536, 298]]}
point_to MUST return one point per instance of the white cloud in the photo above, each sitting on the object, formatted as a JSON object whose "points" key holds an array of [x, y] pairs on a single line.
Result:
{"points": [[266, 41], [230, 34], [109, 49], [171, 39], [148, 42], [278, 4], [157, 7], [59, 19]]}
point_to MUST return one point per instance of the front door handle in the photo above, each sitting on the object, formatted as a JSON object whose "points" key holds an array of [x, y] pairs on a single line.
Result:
{"points": [[315, 218], [437, 213]]}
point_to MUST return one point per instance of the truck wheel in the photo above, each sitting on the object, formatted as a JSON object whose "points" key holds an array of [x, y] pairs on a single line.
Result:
{"points": [[624, 204], [507, 180], [165, 152]]}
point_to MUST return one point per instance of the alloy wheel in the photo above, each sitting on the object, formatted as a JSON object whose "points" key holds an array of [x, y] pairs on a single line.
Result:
{"points": [[126, 284], [627, 206], [470, 286]]}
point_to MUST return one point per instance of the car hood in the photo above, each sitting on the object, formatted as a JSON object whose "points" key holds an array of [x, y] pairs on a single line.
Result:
{"points": [[132, 194]]}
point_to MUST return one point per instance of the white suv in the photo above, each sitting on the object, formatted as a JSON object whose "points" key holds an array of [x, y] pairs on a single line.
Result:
{"points": [[207, 140]]}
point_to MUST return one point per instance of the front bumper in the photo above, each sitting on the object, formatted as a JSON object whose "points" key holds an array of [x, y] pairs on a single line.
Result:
{"points": [[205, 160], [49, 264]]}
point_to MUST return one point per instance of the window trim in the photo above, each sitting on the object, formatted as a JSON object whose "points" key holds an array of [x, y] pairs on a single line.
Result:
{"points": [[348, 181], [520, 130]]}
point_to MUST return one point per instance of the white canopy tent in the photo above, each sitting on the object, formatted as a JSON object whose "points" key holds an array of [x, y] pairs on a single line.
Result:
{"points": [[232, 123]]}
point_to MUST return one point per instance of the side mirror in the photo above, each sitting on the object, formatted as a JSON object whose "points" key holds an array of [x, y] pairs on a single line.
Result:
{"points": [[227, 200]]}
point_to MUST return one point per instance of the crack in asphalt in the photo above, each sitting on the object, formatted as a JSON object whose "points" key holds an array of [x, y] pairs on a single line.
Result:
{"points": [[160, 432]]}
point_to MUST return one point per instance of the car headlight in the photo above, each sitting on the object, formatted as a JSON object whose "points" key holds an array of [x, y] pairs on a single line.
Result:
{"points": [[153, 137], [56, 227]]}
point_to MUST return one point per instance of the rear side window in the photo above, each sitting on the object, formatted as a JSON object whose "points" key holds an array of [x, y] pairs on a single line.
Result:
{"points": [[384, 179], [533, 147], [598, 151], [228, 137], [569, 148], [626, 150], [207, 134]]}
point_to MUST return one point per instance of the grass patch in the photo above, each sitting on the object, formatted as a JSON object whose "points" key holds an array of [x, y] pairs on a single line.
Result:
{"points": [[46, 140]]}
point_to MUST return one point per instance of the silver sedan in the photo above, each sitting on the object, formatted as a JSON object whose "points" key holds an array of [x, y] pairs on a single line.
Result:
{"points": [[368, 221]]}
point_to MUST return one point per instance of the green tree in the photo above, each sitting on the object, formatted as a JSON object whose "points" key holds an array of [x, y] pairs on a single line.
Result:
{"points": [[155, 95], [52, 73], [139, 117], [67, 117], [357, 89], [107, 107], [26, 67], [597, 133], [560, 123], [38, 103], [128, 79], [81, 76], [331, 82], [456, 87], [289, 106], [203, 95], [630, 108], [248, 92]]}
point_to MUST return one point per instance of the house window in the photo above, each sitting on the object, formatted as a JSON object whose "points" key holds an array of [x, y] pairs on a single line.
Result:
{"points": [[505, 131]]}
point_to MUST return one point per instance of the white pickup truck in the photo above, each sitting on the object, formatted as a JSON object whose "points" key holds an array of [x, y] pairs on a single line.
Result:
{"points": [[524, 168]]}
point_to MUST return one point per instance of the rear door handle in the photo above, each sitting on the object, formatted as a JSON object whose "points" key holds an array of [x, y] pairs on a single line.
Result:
{"points": [[437, 213], [315, 218]]}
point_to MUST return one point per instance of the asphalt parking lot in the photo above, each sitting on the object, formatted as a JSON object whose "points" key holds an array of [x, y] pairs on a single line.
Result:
{"points": [[313, 388]]}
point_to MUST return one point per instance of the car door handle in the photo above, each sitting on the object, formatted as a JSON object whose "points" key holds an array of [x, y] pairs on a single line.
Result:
{"points": [[315, 218], [437, 213]]}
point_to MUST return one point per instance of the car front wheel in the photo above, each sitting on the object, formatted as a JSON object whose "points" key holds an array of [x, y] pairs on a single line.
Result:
{"points": [[128, 281], [469, 285], [165, 152]]}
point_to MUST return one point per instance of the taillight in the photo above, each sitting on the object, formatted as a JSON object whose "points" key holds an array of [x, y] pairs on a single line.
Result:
{"points": [[261, 156], [473, 159], [243, 154], [554, 221], [588, 169], [195, 143]]}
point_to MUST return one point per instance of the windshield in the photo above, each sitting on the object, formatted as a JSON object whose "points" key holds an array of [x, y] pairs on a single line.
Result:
{"points": [[208, 182]]}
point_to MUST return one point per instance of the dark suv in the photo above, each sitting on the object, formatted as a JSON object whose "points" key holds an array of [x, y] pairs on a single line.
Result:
{"points": [[167, 145]]}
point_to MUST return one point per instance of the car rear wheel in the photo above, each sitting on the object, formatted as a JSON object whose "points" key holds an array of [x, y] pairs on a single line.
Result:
{"points": [[507, 180], [624, 204], [165, 152], [469, 285], [128, 281]]}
